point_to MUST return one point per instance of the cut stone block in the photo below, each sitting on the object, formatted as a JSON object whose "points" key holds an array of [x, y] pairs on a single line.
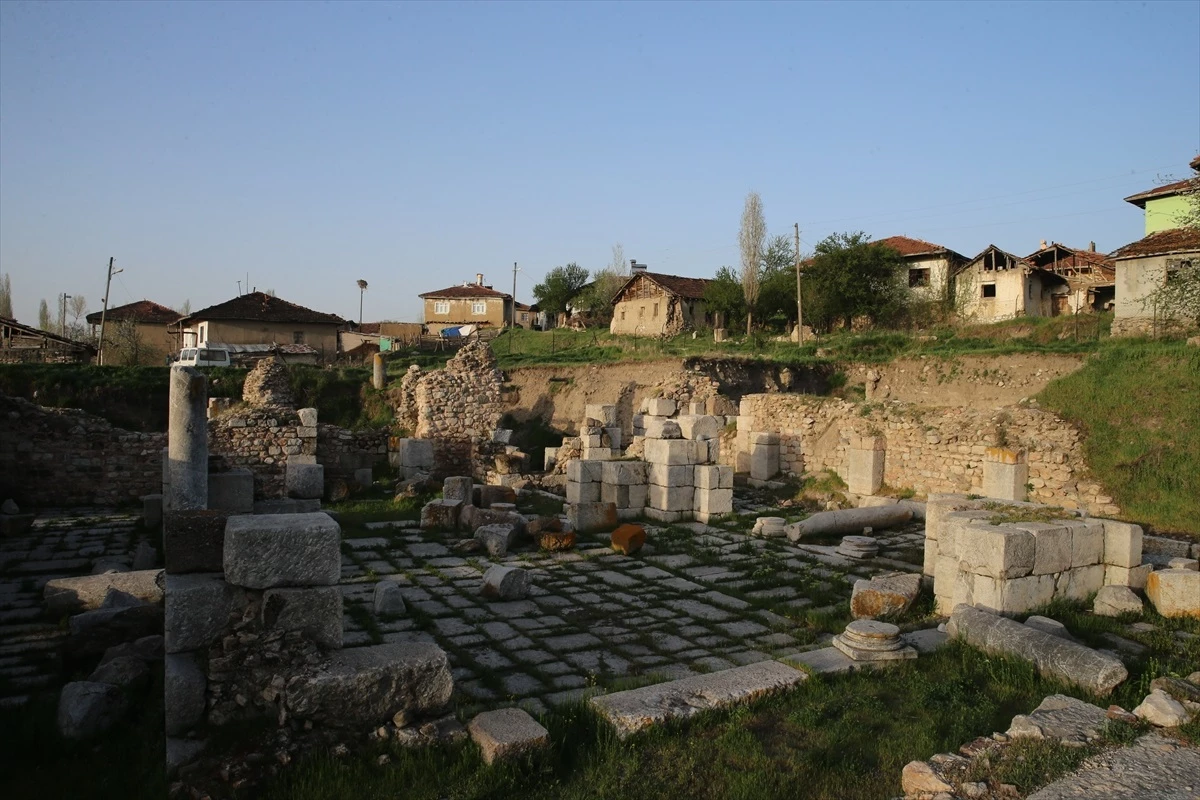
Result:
{"points": [[315, 612], [997, 551], [713, 476], [496, 539], [388, 600], [583, 492], [583, 470], [441, 515], [713, 502], [305, 481], [866, 471], [194, 541], [1061, 718], [665, 475], [416, 453], [1134, 578], [666, 498], [954, 527], [505, 583], [883, 596], [674, 452], [87, 709], [1080, 583], [308, 417], [367, 686], [661, 428], [457, 489], [700, 428], [507, 733], [660, 406], [1052, 546], [1087, 542], [1113, 601], [263, 552], [1174, 592], [623, 473], [231, 491], [88, 592], [1013, 595], [628, 539], [606, 414], [637, 709], [1122, 544], [197, 610], [592, 517], [1005, 474], [184, 685], [1054, 658], [764, 456]]}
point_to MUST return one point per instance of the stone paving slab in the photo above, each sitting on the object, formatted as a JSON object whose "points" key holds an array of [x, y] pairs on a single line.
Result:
{"points": [[1154, 766]]}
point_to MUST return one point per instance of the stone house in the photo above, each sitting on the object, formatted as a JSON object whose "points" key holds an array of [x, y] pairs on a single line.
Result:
{"points": [[997, 285], [930, 266], [1144, 266], [1090, 277], [652, 304], [468, 304], [258, 318], [146, 320]]}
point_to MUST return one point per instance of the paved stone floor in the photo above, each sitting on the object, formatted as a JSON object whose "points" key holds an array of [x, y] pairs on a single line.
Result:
{"points": [[695, 599], [60, 544]]}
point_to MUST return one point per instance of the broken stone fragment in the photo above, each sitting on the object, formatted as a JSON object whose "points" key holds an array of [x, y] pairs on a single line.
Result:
{"points": [[628, 538], [1114, 600], [921, 778], [505, 583], [1160, 709], [884, 595], [388, 600], [497, 538], [507, 733], [1174, 592], [87, 709]]}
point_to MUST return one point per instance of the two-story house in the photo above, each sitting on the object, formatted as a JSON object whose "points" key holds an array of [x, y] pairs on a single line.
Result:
{"points": [[468, 304]]}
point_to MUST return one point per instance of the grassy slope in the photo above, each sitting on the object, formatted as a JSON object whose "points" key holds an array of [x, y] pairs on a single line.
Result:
{"points": [[1138, 403]]}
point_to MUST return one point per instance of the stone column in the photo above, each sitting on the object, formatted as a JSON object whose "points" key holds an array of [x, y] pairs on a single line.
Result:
{"points": [[1005, 473], [379, 371], [187, 440], [866, 464]]}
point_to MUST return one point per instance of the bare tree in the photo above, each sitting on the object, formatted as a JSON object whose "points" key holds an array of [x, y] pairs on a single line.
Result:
{"points": [[6, 296], [618, 265], [185, 309], [77, 307], [44, 320], [127, 343], [752, 241]]}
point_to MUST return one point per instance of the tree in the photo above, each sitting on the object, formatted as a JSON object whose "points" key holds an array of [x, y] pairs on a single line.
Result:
{"points": [[596, 298], [127, 343], [560, 287], [777, 281], [850, 277], [185, 309], [751, 239], [78, 307], [618, 265], [724, 296], [44, 321], [6, 296]]}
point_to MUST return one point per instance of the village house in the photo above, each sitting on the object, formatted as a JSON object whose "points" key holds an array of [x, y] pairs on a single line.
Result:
{"points": [[261, 322], [652, 304], [22, 343], [468, 304], [997, 285], [136, 333], [1089, 275], [930, 266], [1167, 253]]}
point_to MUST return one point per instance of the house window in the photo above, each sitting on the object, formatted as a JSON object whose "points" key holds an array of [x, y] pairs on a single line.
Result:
{"points": [[202, 337], [655, 315], [989, 290], [918, 278], [622, 315], [441, 307], [479, 308], [297, 337], [1175, 266], [641, 312]]}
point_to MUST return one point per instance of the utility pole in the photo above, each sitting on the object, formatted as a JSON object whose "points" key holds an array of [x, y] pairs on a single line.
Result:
{"points": [[799, 310], [512, 323], [62, 318], [104, 308]]}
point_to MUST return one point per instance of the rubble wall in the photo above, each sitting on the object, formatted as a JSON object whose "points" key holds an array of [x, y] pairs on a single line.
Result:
{"points": [[343, 451], [928, 449], [260, 439]]}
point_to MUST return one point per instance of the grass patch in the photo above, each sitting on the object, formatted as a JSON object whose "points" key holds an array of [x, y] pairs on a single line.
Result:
{"points": [[1135, 401], [1005, 513]]}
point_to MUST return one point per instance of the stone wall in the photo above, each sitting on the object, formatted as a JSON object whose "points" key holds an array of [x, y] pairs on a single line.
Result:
{"points": [[262, 440], [67, 457], [928, 449], [343, 451]]}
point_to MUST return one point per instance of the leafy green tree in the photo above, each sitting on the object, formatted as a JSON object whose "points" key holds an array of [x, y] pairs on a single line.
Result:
{"points": [[724, 295], [561, 285], [777, 282], [595, 300], [850, 277]]}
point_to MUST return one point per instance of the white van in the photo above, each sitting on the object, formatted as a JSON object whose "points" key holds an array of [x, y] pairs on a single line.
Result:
{"points": [[202, 357]]}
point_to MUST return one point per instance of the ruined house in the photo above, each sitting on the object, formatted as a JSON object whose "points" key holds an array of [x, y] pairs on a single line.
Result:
{"points": [[652, 304], [1090, 277], [20, 342], [997, 285]]}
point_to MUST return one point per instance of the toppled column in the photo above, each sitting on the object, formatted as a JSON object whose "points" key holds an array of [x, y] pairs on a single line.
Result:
{"points": [[1005, 473], [866, 464], [187, 440]]}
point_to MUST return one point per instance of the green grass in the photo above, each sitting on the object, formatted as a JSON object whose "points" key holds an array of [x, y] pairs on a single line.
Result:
{"points": [[1136, 402]]}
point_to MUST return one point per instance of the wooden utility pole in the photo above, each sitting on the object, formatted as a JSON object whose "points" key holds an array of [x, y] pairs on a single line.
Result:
{"points": [[512, 322], [799, 309], [62, 318], [104, 309]]}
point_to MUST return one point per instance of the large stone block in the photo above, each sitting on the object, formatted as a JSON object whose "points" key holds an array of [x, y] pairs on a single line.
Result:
{"points": [[88, 592], [583, 492], [263, 552], [671, 498], [613, 493], [866, 471], [231, 491], [197, 610], [700, 428], [1087, 542], [1052, 546], [416, 453], [184, 685], [1133, 577], [489, 495], [623, 473], [1005, 479], [708, 476], [1122, 543], [592, 517], [367, 686], [713, 502], [605, 414], [441, 515], [507, 733], [676, 452], [1174, 592], [666, 475], [316, 612], [1113, 601], [585, 471], [1080, 583], [764, 456], [884, 596], [660, 406], [1053, 657], [458, 489], [1013, 595], [305, 481], [954, 527], [194, 541], [661, 428], [120, 619], [996, 551]]}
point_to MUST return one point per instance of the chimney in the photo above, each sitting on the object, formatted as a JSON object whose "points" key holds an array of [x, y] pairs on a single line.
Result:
{"points": [[1091, 247], [1043, 247], [634, 266], [479, 279]]}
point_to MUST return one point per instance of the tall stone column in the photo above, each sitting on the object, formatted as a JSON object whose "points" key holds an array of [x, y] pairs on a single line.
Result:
{"points": [[187, 440], [379, 371]]}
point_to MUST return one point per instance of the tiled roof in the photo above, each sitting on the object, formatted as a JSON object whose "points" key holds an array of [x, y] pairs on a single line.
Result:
{"points": [[1159, 243], [1170, 189], [1070, 257], [1195, 163], [689, 288], [146, 311], [468, 292], [915, 247], [262, 307]]}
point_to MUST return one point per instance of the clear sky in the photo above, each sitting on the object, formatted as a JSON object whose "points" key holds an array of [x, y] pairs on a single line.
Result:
{"points": [[414, 145]]}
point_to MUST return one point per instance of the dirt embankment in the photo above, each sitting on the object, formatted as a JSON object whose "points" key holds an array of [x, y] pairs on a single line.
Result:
{"points": [[987, 381]]}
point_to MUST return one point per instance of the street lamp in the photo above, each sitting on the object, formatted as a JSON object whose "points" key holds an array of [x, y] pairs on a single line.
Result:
{"points": [[362, 287]]}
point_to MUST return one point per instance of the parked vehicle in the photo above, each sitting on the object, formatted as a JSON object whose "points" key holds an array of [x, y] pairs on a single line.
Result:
{"points": [[202, 357]]}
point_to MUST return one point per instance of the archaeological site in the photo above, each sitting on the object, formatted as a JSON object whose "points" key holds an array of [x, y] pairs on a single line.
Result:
{"points": [[698, 577]]}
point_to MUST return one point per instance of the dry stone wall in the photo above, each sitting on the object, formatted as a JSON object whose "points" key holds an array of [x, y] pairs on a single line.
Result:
{"points": [[343, 451], [928, 449], [262, 440]]}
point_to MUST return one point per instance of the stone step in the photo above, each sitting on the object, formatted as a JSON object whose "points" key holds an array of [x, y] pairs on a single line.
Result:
{"points": [[637, 709]]}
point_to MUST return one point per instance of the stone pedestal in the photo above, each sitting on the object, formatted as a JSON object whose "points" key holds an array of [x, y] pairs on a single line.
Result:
{"points": [[187, 440], [866, 464], [859, 546], [1005, 474], [764, 456], [869, 640]]}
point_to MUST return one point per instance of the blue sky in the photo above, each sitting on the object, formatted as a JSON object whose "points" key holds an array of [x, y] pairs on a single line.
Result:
{"points": [[414, 145]]}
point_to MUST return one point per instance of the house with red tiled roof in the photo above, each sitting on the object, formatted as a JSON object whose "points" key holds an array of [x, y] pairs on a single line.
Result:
{"points": [[653, 304], [467, 304], [930, 266], [137, 333], [259, 318], [1170, 251]]}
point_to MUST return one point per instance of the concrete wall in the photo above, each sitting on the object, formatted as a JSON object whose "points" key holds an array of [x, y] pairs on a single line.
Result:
{"points": [[462, 313], [1164, 213], [939, 277], [655, 313], [1137, 278]]}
